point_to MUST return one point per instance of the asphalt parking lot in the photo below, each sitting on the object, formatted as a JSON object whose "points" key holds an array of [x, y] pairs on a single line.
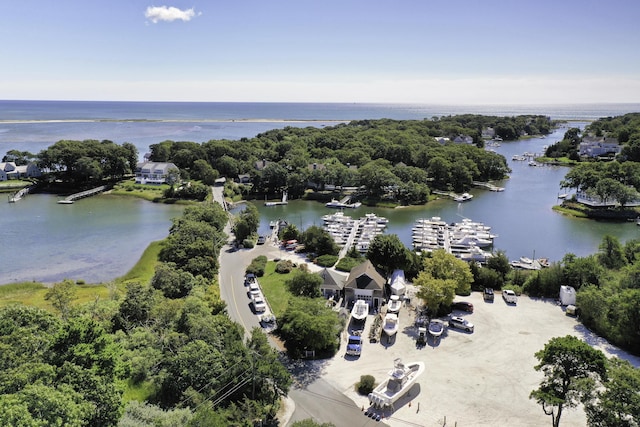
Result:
{"points": [[471, 379]]}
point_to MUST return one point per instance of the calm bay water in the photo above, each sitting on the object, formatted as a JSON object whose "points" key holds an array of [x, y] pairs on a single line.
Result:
{"points": [[96, 239], [100, 238], [522, 215]]}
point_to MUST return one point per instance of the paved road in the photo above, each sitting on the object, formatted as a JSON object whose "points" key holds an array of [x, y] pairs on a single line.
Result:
{"points": [[314, 397]]}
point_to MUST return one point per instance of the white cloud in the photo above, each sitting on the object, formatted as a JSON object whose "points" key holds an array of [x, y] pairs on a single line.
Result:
{"points": [[169, 14]]}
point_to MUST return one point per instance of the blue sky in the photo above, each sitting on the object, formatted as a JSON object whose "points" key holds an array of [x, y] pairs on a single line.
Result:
{"points": [[422, 51]]}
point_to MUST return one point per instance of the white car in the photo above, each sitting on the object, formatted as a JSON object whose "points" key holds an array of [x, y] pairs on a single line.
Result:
{"points": [[259, 305], [460, 323], [509, 296]]}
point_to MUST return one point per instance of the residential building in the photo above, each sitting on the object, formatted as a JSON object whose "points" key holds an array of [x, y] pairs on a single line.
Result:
{"points": [[332, 284], [153, 172], [365, 283], [596, 147], [9, 170]]}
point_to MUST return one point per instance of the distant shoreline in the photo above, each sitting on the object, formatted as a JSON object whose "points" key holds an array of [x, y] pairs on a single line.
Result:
{"points": [[173, 121]]}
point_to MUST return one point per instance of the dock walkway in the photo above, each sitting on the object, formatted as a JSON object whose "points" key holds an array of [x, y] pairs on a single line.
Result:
{"points": [[87, 193]]}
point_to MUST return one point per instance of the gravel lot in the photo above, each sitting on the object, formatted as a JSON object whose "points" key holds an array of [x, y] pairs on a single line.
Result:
{"points": [[471, 379]]}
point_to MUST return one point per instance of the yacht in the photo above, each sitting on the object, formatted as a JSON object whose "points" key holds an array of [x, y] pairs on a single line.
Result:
{"points": [[401, 379]]}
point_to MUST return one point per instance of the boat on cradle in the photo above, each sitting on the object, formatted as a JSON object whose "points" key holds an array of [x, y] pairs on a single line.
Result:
{"points": [[394, 304], [360, 310], [436, 327], [464, 197], [390, 326], [401, 378]]}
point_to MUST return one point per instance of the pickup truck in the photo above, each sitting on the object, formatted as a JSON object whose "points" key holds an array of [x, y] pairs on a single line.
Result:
{"points": [[354, 345]]}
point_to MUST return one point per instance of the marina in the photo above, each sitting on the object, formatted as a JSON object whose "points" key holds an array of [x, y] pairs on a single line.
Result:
{"points": [[464, 239], [348, 233]]}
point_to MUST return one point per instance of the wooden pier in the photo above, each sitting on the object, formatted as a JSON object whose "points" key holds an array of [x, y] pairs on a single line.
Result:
{"points": [[88, 193], [20, 194]]}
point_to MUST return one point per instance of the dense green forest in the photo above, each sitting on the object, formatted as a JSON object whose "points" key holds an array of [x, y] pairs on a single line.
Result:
{"points": [[399, 160], [168, 343]]}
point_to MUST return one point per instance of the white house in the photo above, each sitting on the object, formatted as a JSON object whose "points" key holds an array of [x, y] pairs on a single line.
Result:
{"points": [[153, 172], [9, 170], [594, 147]]}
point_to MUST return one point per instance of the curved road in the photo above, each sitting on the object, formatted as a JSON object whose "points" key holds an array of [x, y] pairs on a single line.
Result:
{"points": [[313, 396]]}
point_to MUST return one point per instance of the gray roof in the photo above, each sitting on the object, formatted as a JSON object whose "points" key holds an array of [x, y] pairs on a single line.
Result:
{"points": [[332, 280], [365, 276]]}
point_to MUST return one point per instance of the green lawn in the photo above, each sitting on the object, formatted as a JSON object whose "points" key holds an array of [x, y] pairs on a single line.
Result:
{"points": [[274, 288]]}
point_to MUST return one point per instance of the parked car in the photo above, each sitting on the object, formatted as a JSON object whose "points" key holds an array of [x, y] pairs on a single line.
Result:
{"points": [[463, 306], [354, 345], [509, 296], [250, 278], [261, 240], [258, 304], [488, 294], [460, 323]]}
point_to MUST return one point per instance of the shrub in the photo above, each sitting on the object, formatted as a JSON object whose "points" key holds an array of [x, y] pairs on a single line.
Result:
{"points": [[326, 260], [284, 266], [257, 266], [366, 384], [347, 263], [248, 243]]}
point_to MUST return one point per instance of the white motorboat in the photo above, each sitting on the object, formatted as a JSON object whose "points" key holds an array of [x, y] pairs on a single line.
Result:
{"points": [[464, 197], [401, 378], [390, 326], [436, 327], [394, 304], [360, 310]]}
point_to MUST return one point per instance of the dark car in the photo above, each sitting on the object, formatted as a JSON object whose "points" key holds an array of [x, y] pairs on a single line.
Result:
{"points": [[488, 294], [462, 306]]}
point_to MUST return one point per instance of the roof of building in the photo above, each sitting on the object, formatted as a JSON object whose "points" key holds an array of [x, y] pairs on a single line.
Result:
{"points": [[365, 276]]}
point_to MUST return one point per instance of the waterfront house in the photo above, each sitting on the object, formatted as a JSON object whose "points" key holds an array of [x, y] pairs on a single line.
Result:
{"points": [[596, 147], [488, 133], [9, 170], [153, 172], [365, 283]]}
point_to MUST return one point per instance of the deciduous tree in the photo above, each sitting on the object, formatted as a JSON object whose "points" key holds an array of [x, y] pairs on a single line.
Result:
{"points": [[572, 369]]}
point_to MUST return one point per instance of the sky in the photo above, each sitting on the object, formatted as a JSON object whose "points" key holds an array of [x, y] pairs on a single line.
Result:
{"points": [[405, 51]]}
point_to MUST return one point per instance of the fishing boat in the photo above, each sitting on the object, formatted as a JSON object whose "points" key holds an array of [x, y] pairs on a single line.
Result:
{"points": [[360, 310], [394, 304], [401, 378], [436, 327], [464, 197], [390, 326]]}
